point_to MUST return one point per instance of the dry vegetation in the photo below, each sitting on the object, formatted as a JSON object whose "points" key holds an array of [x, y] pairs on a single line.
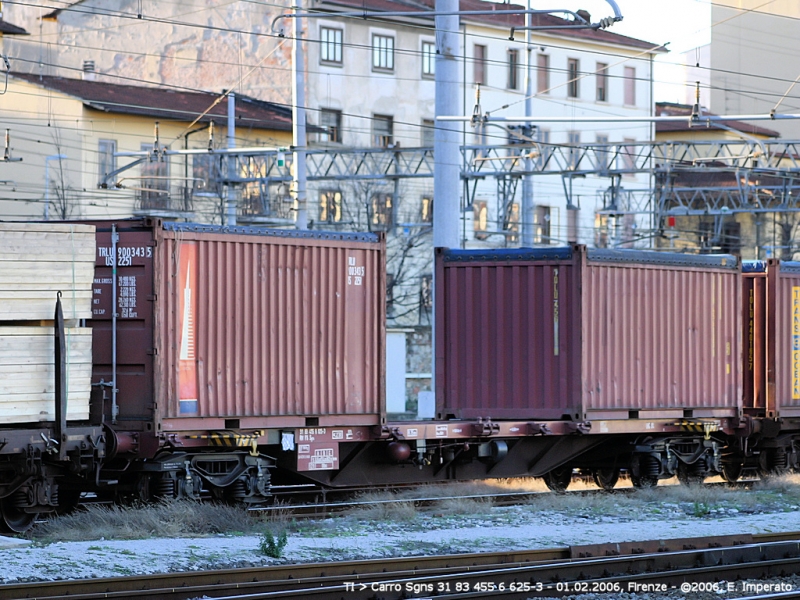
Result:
{"points": [[179, 518], [463, 500]]}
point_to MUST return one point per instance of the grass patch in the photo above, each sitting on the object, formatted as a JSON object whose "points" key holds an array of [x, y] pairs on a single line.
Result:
{"points": [[172, 518], [273, 545]]}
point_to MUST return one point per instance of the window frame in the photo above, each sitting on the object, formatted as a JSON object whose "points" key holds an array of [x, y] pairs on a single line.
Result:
{"points": [[512, 66], [629, 96], [336, 44], [104, 156], [379, 53], [382, 211], [334, 137], [479, 64], [426, 209], [542, 73], [480, 219], [429, 59], [573, 74], [387, 141], [330, 199], [601, 82]]}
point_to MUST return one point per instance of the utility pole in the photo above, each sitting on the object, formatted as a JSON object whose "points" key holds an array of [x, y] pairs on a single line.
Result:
{"points": [[299, 118], [230, 197], [446, 154], [526, 215]]}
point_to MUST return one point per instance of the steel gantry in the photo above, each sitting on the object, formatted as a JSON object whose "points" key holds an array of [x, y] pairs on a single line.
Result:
{"points": [[687, 178]]}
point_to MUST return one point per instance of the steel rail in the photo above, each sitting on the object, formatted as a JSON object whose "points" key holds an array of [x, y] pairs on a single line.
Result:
{"points": [[557, 571]]}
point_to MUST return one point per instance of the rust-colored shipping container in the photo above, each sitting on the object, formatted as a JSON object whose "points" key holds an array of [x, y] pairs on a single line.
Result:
{"points": [[783, 326], [239, 327], [587, 334]]}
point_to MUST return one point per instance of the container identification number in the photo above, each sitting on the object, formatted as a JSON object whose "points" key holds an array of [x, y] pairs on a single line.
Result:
{"points": [[125, 255], [355, 273]]}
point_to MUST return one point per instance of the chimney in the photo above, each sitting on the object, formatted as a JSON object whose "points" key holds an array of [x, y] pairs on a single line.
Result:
{"points": [[88, 71]]}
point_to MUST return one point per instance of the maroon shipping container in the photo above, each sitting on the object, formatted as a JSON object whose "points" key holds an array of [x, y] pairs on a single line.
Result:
{"points": [[241, 327], [587, 334], [783, 323]]}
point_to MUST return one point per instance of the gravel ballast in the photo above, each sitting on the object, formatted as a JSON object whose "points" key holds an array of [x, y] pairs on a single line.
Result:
{"points": [[553, 522]]}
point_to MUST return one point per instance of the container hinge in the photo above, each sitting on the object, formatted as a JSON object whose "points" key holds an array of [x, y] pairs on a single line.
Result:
{"points": [[152, 351], [152, 297]]}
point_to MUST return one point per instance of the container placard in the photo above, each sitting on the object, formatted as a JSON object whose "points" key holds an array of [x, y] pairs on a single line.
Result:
{"points": [[796, 342]]}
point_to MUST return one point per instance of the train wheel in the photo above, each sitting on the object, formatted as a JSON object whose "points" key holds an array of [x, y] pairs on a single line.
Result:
{"points": [[12, 518], [732, 471], [692, 474], [644, 481], [558, 480], [606, 478]]}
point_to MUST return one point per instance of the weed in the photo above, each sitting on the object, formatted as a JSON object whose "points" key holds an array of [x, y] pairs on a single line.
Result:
{"points": [[273, 546], [700, 509]]}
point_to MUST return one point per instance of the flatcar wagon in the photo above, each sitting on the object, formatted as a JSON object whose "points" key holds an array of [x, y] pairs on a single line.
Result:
{"points": [[227, 362]]}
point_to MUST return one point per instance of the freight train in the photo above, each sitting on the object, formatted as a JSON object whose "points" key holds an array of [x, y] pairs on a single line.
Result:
{"points": [[229, 362]]}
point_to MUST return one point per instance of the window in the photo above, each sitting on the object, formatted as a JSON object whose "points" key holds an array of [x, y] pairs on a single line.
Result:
{"points": [[382, 126], [382, 53], [572, 77], [602, 154], [629, 156], [330, 206], [512, 223], [542, 74], [729, 241], [331, 121], [479, 64], [602, 82], [206, 175], [106, 161], [428, 133], [426, 292], [574, 140], [630, 86], [541, 225], [381, 205], [513, 70], [600, 230], [480, 219], [428, 59], [155, 181], [426, 215], [330, 50]]}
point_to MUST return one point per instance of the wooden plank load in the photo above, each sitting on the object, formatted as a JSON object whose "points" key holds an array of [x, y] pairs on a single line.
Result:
{"points": [[27, 374], [37, 260]]}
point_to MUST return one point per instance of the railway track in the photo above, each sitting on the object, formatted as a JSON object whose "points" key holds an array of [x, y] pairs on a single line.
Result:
{"points": [[326, 509], [655, 566]]}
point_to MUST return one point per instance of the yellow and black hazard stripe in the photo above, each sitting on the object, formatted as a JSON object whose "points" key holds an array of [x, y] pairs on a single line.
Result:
{"points": [[704, 427], [230, 439]]}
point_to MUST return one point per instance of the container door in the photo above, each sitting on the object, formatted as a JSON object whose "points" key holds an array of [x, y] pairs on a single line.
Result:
{"points": [[754, 334], [134, 324]]}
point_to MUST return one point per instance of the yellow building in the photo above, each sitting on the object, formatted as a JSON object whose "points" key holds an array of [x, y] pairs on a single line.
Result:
{"points": [[67, 131]]}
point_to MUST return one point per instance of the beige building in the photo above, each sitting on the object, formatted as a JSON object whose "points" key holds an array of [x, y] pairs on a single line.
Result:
{"points": [[66, 131], [754, 60]]}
